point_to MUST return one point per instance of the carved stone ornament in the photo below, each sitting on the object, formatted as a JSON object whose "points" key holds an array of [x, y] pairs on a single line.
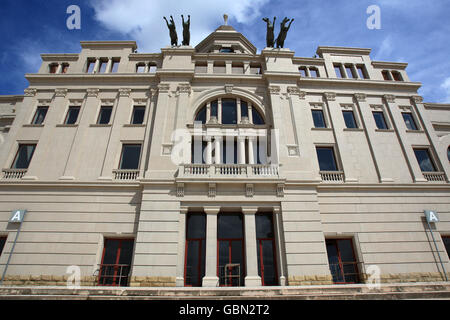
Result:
{"points": [[124, 92], [389, 98], [180, 189], [60, 92], [30, 92], [92, 92], [274, 89], [417, 99], [212, 190], [361, 97], [280, 190], [163, 87], [330, 96], [228, 88], [184, 88], [249, 190]]}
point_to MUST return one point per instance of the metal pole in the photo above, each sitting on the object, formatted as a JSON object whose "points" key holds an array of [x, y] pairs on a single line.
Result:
{"points": [[10, 253], [437, 250]]}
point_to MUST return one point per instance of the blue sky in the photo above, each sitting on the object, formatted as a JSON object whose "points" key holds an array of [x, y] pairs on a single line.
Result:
{"points": [[414, 31]]}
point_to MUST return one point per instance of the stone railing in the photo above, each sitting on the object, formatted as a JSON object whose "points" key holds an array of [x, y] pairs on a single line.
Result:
{"points": [[228, 170], [13, 174], [126, 174], [332, 176], [434, 176]]}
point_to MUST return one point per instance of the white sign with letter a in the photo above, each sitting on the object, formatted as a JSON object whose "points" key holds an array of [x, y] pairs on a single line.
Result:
{"points": [[432, 216], [17, 216]]}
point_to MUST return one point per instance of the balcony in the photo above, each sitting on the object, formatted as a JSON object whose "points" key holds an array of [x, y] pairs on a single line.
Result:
{"points": [[332, 176], [13, 174], [126, 174], [228, 170], [434, 176]]}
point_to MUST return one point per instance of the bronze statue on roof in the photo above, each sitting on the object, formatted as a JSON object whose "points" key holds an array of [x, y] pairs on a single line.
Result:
{"points": [[270, 36], [172, 31]]}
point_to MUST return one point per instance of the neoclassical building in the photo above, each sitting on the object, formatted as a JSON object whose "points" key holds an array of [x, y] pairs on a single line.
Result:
{"points": [[216, 165]]}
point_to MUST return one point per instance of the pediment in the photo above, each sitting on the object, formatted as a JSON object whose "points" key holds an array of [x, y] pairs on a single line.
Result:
{"points": [[226, 39]]}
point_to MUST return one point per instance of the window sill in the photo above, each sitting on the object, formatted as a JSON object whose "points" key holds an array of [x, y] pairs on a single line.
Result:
{"points": [[353, 129], [322, 129], [415, 131], [33, 125], [384, 130], [100, 125], [64, 125], [131, 125]]}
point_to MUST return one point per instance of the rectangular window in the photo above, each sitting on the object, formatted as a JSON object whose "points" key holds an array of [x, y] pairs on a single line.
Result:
{"points": [[255, 69], [446, 240], [39, 115], [349, 119], [65, 68], [237, 68], [342, 262], [229, 111], [201, 67], [318, 118], [90, 66], [103, 65], [362, 72], [23, 156], [140, 68], [152, 68], [130, 157], [338, 71], [386, 75], [53, 67], [2, 244], [219, 67], [116, 262], [409, 120], [138, 115], [265, 242], [349, 71], [195, 249], [115, 65], [326, 158], [397, 76], [302, 71], [424, 159], [244, 109], [72, 115], [105, 115], [380, 121], [313, 72]]}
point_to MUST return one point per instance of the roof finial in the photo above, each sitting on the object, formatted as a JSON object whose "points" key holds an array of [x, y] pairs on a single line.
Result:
{"points": [[225, 19]]}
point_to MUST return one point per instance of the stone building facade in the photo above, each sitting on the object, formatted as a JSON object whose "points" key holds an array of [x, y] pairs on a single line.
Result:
{"points": [[214, 165]]}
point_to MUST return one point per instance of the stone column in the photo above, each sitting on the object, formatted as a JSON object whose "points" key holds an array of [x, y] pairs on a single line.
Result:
{"points": [[251, 150], [218, 149], [219, 110], [96, 65], [211, 279], [208, 150], [277, 225], [108, 65], [238, 109], [208, 112], [179, 282], [241, 149], [59, 68], [252, 278]]}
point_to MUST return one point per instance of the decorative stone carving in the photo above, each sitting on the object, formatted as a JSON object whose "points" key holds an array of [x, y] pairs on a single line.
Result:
{"points": [[292, 150], [330, 96], [180, 189], [389, 98], [417, 99], [163, 87], [60, 92], [30, 92], [184, 88], [212, 190], [166, 149], [124, 92], [360, 97], [92, 92], [249, 190], [274, 89], [280, 190]]}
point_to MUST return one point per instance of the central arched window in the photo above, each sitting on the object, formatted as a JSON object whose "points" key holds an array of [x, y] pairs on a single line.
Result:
{"points": [[230, 111]]}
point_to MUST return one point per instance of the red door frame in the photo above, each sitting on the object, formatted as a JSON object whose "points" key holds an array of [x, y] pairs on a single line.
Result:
{"points": [[341, 268], [118, 252], [261, 260], [229, 255]]}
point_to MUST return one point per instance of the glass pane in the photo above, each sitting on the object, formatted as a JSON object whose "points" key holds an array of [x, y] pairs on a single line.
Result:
{"points": [[39, 116], [313, 72], [446, 241], [349, 119], [192, 263], [138, 115], [103, 65], [333, 261], [237, 258], [230, 226], [326, 159], [229, 112], [302, 72], [214, 107], [223, 259], [244, 109], [269, 266], [105, 115], [201, 115], [337, 69], [257, 118], [424, 159], [24, 155], [126, 252], [319, 120], [409, 121], [349, 72], [348, 260], [196, 226], [90, 67], [130, 156], [115, 66], [361, 72], [111, 248], [379, 120], [264, 226], [2, 244], [72, 115]]}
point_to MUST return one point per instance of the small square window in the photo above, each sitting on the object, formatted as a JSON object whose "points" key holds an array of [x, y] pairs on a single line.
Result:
{"points": [[65, 68], [349, 119], [53, 67], [386, 75], [152, 68], [327, 160], [380, 121], [313, 72], [103, 65], [130, 156], [138, 115], [397, 76], [23, 156], [362, 72], [90, 66], [409, 121], [72, 115], [255, 69], [201, 67], [140, 68], [39, 115], [424, 159], [318, 119], [302, 71], [349, 71], [338, 71], [105, 115]]}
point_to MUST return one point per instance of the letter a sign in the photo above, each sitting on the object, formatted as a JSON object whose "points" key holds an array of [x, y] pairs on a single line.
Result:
{"points": [[432, 216], [17, 216]]}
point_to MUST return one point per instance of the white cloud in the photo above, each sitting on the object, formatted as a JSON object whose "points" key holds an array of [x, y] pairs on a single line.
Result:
{"points": [[446, 87], [385, 49], [142, 20]]}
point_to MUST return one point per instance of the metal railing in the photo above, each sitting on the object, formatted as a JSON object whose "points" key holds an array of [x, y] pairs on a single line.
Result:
{"points": [[346, 272], [13, 174], [230, 275], [113, 275]]}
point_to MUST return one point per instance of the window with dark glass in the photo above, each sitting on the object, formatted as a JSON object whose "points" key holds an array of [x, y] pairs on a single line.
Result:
{"points": [[380, 121], [318, 118], [23, 156], [103, 65], [90, 66], [226, 50], [349, 118], [349, 71], [116, 262], [326, 158], [386, 75], [230, 243], [424, 159], [201, 115], [65, 68], [265, 242], [362, 72], [338, 71], [53, 67], [409, 121], [302, 71], [201, 67], [342, 261], [115, 65], [130, 156], [2, 244], [105, 115], [446, 241], [229, 112], [214, 108], [397, 76], [72, 115], [138, 115], [313, 72], [244, 109], [257, 118], [194, 269], [39, 115]]}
